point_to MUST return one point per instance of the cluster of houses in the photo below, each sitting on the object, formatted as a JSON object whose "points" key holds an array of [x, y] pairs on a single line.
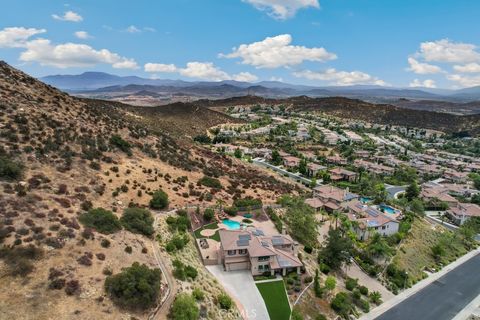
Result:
{"points": [[366, 218]]}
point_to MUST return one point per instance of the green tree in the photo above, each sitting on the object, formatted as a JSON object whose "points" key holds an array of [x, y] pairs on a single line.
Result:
{"points": [[301, 220], [208, 214], [138, 220], [378, 246], [136, 287], [159, 200], [330, 283], [102, 220], [342, 304], [412, 191], [302, 167], [184, 308], [237, 153], [336, 249], [316, 285], [276, 158]]}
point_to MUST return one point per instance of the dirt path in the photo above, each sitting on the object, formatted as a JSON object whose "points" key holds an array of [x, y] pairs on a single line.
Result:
{"points": [[162, 312]]}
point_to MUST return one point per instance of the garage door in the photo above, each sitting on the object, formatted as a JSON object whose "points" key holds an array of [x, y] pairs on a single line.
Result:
{"points": [[238, 266]]}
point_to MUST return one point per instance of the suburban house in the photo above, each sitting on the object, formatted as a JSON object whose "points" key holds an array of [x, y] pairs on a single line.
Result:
{"points": [[339, 174], [336, 159], [370, 220], [361, 153], [313, 169], [333, 198], [252, 250], [291, 161], [374, 167], [462, 212], [455, 176], [352, 136], [431, 193]]}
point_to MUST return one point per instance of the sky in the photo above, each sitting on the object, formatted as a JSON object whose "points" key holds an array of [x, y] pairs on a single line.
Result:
{"points": [[401, 43]]}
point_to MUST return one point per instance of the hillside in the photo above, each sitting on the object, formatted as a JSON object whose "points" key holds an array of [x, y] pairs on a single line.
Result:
{"points": [[59, 157], [194, 119], [361, 110]]}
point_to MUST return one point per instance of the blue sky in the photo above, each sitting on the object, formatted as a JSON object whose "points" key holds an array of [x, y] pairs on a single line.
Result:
{"points": [[327, 42]]}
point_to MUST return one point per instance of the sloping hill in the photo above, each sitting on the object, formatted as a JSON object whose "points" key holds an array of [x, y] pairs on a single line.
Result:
{"points": [[61, 156], [361, 110]]}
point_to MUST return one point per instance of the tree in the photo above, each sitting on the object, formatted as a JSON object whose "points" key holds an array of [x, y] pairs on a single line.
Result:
{"points": [[136, 287], [138, 220], [102, 220], [316, 285], [336, 249], [342, 304], [10, 169], [184, 308], [224, 301], [302, 167], [159, 200], [208, 214], [438, 251], [416, 205], [276, 158], [412, 191], [378, 246], [301, 219], [330, 283], [237, 153], [375, 297]]}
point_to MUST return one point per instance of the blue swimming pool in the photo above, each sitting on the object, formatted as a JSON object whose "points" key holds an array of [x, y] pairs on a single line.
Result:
{"points": [[365, 200], [231, 225], [387, 209]]}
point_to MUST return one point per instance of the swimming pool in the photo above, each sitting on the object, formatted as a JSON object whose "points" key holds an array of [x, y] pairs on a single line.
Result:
{"points": [[231, 225], [365, 200], [387, 209]]}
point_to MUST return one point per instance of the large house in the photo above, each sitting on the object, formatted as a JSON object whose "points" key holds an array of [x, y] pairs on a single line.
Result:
{"points": [[339, 174], [313, 169], [370, 220], [331, 198], [462, 212], [252, 250], [291, 161]]}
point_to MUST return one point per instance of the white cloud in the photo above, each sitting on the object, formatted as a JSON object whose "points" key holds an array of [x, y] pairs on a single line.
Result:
{"points": [[422, 68], [341, 78], [425, 84], [282, 9], [278, 79], [133, 29], [449, 52], [150, 29], [16, 37], [200, 70], [72, 55], [274, 52], [160, 67], [68, 16], [82, 35], [465, 81], [468, 68], [245, 77]]}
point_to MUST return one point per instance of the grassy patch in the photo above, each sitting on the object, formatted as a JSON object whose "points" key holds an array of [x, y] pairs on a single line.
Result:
{"points": [[415, 253], [214, 225], [275, 298]]}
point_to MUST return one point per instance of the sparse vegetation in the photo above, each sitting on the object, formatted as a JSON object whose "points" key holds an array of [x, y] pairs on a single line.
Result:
{"points": [[138, 220]]}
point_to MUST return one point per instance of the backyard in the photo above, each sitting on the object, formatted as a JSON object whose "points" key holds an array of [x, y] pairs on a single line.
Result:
{"points": [[275, 297]]}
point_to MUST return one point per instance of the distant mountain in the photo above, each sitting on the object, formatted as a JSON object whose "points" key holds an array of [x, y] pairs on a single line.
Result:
{"points": [[99, 82]]}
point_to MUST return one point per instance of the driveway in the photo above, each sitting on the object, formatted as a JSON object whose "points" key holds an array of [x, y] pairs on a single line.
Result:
{"points": [[241, 287], [393, 191]]}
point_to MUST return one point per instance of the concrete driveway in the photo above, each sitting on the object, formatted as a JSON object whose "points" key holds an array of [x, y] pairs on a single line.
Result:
{"points": [[241, 287]]}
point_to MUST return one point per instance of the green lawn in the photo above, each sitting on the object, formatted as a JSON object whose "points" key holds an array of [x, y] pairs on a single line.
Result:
{"points": [[213, 225], [276, 299]]}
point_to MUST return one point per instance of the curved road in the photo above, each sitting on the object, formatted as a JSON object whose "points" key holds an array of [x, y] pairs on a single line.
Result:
{"points": [[444, 298]]}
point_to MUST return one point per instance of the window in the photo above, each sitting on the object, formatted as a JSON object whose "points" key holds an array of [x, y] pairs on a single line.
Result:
{"points": [[265, 258], [260, 267], [383, 228], [231, 252], [242, 251]]}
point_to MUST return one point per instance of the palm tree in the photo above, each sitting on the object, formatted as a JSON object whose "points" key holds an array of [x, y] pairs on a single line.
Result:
{"points": [[219, 203], [336, 216]]}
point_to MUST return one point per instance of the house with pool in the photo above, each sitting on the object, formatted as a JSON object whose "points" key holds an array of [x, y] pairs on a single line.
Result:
{"points": [[251, 249], [369, 219]]}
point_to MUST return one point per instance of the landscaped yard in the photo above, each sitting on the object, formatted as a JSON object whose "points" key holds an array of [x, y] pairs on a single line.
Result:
{"points": [[275, 298], [211, 226]]}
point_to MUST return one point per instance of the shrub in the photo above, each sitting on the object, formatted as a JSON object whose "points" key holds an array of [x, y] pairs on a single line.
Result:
{"points": [[128, 249], [102, 220], [159, 200], [376, 297], [330, 283], [138, 220], [198, 294], [363, 290], [351, 283], [231, 211], [18, 259], [183, 272], [224, 301], [117, 141], [178, 242], [342, 304], [10, 169], [210, 182], [184, 308], [208, 214], [105, 243], [72, 287], [308, 249], [136, 287]]}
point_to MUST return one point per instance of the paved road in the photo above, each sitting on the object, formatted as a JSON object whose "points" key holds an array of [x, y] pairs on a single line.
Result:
{"points": [[442, 299], [393, 190]]}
